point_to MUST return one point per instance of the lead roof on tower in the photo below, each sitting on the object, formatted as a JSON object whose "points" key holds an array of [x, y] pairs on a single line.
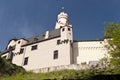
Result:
{"points": [[52, 34]]}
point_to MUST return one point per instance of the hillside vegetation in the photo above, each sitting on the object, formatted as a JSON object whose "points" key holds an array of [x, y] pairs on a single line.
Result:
{"points": [[66, 74], [8, 69]]}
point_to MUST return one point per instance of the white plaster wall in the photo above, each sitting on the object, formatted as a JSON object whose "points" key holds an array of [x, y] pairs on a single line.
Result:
{"points": [[23, 41], [18, 45], [89, 51], [66, 34], [18, 58], [12, 43], [43, 56]]}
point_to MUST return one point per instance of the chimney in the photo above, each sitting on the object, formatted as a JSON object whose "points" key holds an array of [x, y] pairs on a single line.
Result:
{"points": [[46, 34]]}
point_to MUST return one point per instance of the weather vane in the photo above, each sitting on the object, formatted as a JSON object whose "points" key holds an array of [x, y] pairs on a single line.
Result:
{"points": [[62, 8]]}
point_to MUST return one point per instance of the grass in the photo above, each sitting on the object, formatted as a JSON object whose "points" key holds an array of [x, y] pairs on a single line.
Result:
{"points": [[64, 74]]}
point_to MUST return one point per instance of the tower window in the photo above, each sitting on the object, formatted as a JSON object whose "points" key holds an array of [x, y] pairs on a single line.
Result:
{"points": [[58, 42], [60, 26], [26, 61], [18, 42], [68, 29], [63, 29], [21, 50], [34, 47], [55, 56]]}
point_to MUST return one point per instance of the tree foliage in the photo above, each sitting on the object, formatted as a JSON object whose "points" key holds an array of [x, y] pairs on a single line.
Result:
{"points": [[112, 32], [8, 69]]}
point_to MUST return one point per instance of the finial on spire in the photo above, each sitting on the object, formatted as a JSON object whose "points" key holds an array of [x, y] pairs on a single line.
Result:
{"points": [[62, 8]]}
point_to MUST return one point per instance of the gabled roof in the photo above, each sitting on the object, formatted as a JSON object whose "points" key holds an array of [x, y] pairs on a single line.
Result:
{"points": [[52, 34], [8, 50]]}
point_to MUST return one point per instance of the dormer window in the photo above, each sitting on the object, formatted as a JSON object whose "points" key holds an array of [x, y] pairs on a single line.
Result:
{"points": [[35, 39], [43, 35]]}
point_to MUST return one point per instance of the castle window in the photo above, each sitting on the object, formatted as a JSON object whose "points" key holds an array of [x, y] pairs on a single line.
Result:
{"points": [[63, 29], [18, 42], [35, 39], [60, 26], [26, 61], [21, 50], [34, 47], [68, 29], [58, 42], [55, 56]]}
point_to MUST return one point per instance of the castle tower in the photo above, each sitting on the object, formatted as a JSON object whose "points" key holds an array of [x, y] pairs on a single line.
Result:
{"points": [[63, 25], [62, 20]]}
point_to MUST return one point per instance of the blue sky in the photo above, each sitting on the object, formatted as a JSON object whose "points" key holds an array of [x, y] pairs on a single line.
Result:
{"points": [[27, 18]]}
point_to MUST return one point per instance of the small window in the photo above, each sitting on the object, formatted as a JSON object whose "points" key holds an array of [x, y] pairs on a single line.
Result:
{"points": [[34, 47], [21, 50], [18, 42], [68, 29], [35, 39], [60, 26], [26, 61], [55, 54], [63, 29], [58, 42]]}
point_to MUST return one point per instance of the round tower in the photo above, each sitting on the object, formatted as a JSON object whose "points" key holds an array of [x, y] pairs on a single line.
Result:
{"points": [[64, 26], [62, 20]]}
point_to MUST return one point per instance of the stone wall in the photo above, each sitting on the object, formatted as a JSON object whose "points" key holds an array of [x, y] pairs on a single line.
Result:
{"points": [[72, 66]]}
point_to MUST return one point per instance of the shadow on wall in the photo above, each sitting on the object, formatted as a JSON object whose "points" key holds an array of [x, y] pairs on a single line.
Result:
{"points": [[75, 52]]}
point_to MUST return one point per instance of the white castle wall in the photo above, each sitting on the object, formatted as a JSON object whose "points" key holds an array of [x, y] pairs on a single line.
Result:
{"points": [[87, 51], [71, 67], [43, 56]]}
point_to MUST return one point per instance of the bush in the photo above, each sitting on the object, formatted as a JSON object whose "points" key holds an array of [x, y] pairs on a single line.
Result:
{"points": [[8, 69]]}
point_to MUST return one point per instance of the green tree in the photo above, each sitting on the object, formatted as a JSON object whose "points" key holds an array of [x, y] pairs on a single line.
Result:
{"points": [[112, 32], [8, 69]]}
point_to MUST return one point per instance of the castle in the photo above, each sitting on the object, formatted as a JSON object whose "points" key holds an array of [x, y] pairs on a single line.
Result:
{"points": [[54, 48]]}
